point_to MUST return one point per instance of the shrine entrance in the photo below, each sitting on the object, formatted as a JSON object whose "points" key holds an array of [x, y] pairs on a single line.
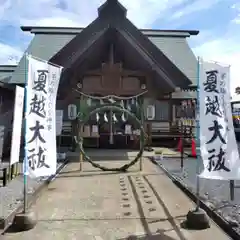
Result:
{"points": [[112, 62], [112, 107], [111, 128]]}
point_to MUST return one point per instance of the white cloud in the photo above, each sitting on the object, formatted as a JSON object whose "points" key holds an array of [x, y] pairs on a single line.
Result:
{"points": [[5, 4], [144, 12], [224, 51], [78, 13], [73, 13], [52, 22], [237, 8], [9, 55], [195, 6]]}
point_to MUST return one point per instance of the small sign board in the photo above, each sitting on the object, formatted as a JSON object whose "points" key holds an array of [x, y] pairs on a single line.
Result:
{"points": [[72, 111], [150, 112]]}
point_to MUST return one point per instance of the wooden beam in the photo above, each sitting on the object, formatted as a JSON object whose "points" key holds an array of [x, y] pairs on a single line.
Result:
{"points": [[94, 72], [72, 76], [75, 56], [69, 98], [146, 56], [124, 73]]}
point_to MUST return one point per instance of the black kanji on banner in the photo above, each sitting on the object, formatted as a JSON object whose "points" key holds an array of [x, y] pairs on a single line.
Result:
{"points": [[219, 164], [41, 82], [213, 107], [216, 132], [38, 105], [211, 83], [36, 159], [36, 133]]}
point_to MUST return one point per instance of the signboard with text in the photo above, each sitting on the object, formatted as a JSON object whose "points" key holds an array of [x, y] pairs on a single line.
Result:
{"points": [[17, 125], [42, 86], [218, 144]]}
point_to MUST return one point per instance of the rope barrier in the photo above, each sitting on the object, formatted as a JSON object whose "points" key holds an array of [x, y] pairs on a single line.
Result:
{"points": [[109, 96], [112, 107]]}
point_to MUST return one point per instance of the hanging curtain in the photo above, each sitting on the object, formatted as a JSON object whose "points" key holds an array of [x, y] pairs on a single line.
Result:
{"points": [[122, 103], [105, 117], [97, 117], [123, 117], [128, 105], [114, 118]]}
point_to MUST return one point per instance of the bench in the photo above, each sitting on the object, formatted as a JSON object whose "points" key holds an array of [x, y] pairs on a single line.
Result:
{"points": [[170, 132], [4, 170], [165, 130], [6, 173], [165, 134]]}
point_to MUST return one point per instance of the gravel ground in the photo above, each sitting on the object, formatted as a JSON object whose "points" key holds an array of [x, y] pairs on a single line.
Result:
{"points": [[215, 193], [11, 196]]}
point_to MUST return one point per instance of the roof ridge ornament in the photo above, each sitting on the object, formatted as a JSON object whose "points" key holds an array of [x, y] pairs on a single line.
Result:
{"points": [[112, 8]]}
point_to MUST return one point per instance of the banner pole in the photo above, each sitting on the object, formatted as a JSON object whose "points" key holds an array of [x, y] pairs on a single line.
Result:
{"points": [[198, 136], [141, 106], [25, 140]]}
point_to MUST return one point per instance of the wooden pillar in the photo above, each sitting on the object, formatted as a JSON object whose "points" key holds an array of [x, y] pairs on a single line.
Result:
{"points": [[79, 134], [142, 123], [170, 111], [149, 133]]}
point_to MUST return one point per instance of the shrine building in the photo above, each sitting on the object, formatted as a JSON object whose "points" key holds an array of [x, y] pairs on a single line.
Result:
{"points": [[111, 56]]}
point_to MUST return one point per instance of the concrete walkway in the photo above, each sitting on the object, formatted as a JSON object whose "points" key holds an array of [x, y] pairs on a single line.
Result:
{"points": [[105, 205], [111, 154]]}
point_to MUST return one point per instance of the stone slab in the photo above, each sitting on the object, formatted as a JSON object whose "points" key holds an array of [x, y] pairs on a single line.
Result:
{"points": [[214, 193], [11, 196], [105, 205]]}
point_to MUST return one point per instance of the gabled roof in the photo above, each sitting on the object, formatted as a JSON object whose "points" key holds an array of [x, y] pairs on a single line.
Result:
{"points": [[113, 16], [6, 72], [76, 30], [7, 86], [7, 68], [46, 44], [47, 41]]}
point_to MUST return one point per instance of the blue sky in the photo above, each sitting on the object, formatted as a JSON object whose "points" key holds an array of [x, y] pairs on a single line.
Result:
{"points": [[217, 20]]}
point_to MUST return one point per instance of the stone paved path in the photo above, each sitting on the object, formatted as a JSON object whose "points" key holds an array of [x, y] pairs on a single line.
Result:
{"points": [[105, 205]]}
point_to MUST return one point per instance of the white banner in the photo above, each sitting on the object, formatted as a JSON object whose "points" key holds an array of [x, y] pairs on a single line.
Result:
{"points": [[2, 130], [59, 122], [218, 144], [42, 86], [17, 125]]}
